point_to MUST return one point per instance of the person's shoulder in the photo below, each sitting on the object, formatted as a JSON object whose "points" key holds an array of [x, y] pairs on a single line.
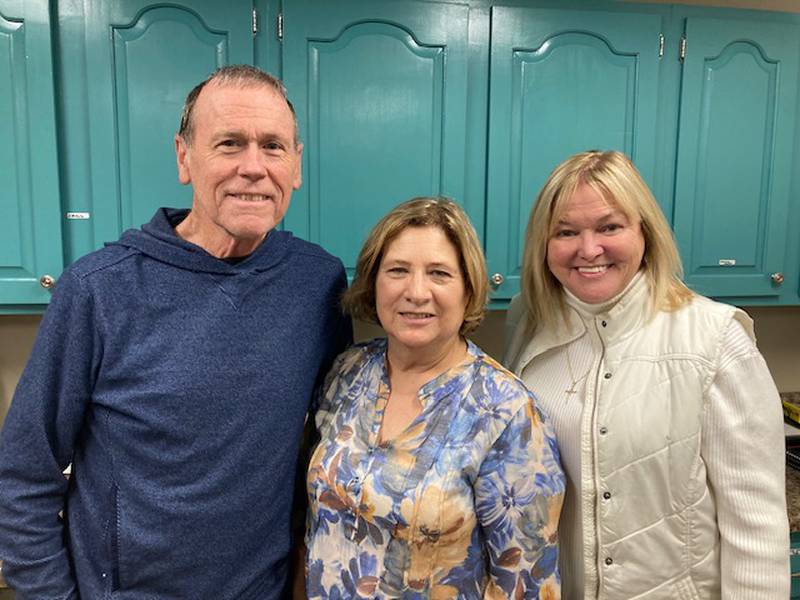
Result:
{"points": [[310, 251], [99, 261], [500, 385], [717, 314], [358, 355]]}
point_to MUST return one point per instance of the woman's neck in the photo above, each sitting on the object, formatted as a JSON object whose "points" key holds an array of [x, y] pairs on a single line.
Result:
{"points": [[588, 309], [410, 367]]}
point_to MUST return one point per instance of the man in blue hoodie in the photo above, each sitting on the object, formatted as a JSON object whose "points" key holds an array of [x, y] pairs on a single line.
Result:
{"points": [[173, 370]]}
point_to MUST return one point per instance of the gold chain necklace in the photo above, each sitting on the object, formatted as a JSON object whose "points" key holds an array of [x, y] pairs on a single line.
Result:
{"points": [[575, 381]]}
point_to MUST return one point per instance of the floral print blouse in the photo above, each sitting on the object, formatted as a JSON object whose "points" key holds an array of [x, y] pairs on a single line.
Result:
{"points": [[464, 503]]}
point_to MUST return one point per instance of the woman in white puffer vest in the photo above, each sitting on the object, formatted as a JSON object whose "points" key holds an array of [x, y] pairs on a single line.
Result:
{"points": [[668, 421]]}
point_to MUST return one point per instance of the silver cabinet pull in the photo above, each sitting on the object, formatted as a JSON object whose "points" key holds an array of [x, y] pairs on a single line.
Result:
{"points": [[777, 278], [496, 280], [47, 282]]}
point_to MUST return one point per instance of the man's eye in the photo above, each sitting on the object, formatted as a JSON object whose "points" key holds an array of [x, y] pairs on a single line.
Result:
{"points": [[273, 146], [228, 144]]}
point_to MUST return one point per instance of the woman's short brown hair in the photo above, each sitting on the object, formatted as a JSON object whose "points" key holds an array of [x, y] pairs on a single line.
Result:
{"points": [[359, 299]]}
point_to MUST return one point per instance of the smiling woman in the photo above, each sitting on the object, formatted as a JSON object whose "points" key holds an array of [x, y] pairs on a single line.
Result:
{"points": [[436, 474], [668, 421]]}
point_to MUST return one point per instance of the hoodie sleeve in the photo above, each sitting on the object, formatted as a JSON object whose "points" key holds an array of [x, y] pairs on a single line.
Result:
{"points": [[343, 325], [37, 442]]}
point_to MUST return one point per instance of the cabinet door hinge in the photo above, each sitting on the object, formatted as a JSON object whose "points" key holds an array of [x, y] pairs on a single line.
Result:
{"points": [[682, 54], [255, 22], [660, 46], [280, 26]]}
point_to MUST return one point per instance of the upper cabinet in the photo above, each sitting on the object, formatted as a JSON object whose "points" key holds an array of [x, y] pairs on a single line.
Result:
{"points": [[380, 90], [30, 231], [403, 98], [738, 113], [126, 69], [563, 81]]}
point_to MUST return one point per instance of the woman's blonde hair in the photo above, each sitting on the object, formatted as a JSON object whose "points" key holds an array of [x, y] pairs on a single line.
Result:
{"points": [[359, 299], [612, 175]]}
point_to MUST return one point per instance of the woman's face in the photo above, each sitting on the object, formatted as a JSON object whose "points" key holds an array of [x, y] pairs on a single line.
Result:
{"points": [[419, 291], [594, 250]]}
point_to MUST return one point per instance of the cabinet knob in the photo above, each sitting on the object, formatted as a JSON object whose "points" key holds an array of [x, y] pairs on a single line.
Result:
{"points": [[47, 282], [777, 278], [496, 280]]}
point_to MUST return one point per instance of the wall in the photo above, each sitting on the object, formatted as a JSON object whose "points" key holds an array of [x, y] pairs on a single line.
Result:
{"points": [[778, 331]]}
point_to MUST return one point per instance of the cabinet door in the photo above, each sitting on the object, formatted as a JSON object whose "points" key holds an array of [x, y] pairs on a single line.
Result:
{"points": [[380, 92], [562, 81], [30, 233], [734, 168], [123, 101]]}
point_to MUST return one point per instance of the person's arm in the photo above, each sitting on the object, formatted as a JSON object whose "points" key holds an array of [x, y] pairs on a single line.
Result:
{"points": [[36, 445], [518, 497], [341, 336], [743, 449]]}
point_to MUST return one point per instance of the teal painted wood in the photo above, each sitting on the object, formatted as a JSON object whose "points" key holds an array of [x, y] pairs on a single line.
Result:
{"points": [[735, 155], [380, 90], [563, 81], [30, 232], [131, 64]]}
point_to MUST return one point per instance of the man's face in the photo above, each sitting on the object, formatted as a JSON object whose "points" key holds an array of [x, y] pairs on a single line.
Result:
{"points": [[243, 165]]}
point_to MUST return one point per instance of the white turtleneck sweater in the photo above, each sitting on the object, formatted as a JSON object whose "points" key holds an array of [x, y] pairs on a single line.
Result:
{"points": [[551, 375], [568, 366]]}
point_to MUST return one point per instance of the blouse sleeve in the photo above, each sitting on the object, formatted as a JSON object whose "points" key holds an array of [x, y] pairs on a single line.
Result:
{"points": [[743, 451], [518, 495]]}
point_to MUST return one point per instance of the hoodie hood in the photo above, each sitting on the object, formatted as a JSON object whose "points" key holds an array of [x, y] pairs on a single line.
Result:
{"points": [[158, 240]]}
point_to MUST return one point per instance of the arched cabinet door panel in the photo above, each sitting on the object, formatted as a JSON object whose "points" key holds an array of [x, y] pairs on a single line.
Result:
{"points": [[30, 227], [735, 155], [380, 90], [122, 103], [562, 81]]}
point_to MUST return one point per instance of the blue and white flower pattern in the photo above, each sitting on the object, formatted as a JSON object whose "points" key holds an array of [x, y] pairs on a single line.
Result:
{"points": [[464, 503]]}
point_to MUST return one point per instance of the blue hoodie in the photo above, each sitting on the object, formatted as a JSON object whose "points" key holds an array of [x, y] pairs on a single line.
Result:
{"points": [[176, 385]]}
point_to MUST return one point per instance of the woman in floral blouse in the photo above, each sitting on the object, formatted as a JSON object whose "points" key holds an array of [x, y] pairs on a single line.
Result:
{"points": [[436, 475]]}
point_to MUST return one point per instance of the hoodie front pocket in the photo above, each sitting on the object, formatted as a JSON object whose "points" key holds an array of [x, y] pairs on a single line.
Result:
{"points": [[110, 574]]}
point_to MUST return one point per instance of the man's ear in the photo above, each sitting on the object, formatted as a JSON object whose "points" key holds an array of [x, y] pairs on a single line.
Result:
{"points": [[298, 177], [182, 158]]}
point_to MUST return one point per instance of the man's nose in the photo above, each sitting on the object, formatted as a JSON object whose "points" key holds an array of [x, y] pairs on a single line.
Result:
{"points": [[252, 163]]}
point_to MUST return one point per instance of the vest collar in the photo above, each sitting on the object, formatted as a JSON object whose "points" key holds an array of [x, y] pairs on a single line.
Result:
{"points": [[614, 320]]}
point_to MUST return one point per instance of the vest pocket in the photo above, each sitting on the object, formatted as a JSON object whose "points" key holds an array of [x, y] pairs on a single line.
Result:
{"points": [[684, 589]]}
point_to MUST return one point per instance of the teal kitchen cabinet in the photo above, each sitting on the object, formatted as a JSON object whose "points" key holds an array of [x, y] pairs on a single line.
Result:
{"points": [[564, 81], [30, 229], [125, 69], [735, 162], [380, 90]]}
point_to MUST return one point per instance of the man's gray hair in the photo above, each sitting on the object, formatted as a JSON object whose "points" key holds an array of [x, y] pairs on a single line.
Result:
{"points": [[233, 75]]}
